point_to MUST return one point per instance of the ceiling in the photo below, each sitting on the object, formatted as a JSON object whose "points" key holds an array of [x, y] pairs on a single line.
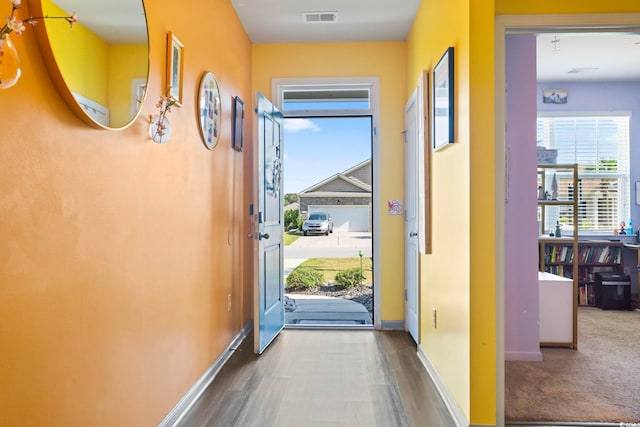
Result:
{"points": [[281, 21], [588, 57], [578, 57], [115, 21]]}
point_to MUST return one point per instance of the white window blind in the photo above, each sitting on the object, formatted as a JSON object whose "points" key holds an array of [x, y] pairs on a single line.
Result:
{"points": [[599, 144]]}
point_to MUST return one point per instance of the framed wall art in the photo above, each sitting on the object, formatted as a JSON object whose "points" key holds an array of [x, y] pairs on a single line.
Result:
{"points": [[443, 101], [554, 96], [175, 65], [209, 110], [238, 123]]}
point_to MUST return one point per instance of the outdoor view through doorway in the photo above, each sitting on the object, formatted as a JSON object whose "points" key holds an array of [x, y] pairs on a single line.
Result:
{"points": [[328, 253]]}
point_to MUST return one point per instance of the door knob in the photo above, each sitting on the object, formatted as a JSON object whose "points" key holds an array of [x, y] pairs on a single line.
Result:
{"points": [[413, 234], [263, 236]]}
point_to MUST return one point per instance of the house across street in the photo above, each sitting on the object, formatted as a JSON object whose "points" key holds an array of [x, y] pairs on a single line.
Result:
{"points": [[346, 196]]}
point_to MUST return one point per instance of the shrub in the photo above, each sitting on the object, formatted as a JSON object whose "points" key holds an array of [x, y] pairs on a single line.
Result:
{"points": [[349, 278], [291, 219], [304, 278]]}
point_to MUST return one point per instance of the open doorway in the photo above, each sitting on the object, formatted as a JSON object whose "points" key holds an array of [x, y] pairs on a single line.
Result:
{"points": [[329, 172], [328, 255], [563, 384]]}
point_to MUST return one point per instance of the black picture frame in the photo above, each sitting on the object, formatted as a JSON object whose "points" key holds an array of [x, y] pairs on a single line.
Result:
{"points": [[238, 123], [443, 101]]}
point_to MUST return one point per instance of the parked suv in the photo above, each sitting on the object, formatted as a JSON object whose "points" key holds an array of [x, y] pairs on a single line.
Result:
{"points": [[318, 222]]}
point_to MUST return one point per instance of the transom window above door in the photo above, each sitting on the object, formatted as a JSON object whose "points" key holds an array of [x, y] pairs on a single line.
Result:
{"points": [[325, 97]]}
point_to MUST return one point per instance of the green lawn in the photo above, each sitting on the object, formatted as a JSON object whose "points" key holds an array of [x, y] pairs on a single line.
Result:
{"points": [[331, 266], [289, 238]]}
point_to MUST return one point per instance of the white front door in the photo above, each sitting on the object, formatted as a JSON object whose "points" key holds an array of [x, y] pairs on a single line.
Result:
{"points": [[412, 318], [269, 295]]}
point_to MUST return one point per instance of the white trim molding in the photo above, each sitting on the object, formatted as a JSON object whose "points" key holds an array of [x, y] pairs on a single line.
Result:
{"points": [[392, 325], [454, 410], [190, 398], [372, 84], [527, 24]]}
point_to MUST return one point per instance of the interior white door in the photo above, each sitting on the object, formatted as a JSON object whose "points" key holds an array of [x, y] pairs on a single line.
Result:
{"points": [[411, 245], [269, 295]]}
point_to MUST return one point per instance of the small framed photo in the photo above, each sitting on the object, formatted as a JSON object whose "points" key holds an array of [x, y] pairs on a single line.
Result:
{"points": [[443, 105], [554, 96], [175, 65], [238, 123]]}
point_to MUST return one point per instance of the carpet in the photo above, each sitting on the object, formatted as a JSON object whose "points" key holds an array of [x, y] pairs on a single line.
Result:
{"points": [[600, 382]]}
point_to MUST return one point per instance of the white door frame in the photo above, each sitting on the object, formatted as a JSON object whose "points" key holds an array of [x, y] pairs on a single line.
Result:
{"points": [[526, 24], [411, 218], [278, 86]]}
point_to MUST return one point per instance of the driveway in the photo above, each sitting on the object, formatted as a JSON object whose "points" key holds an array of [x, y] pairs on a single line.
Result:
{"points": [[340, 244]]}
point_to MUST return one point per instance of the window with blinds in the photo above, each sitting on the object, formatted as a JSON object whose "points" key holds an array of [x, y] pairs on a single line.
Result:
{"points": [[599, 144]]}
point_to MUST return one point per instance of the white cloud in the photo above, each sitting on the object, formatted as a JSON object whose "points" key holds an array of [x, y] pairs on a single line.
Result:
{"points": [[297, 125]]}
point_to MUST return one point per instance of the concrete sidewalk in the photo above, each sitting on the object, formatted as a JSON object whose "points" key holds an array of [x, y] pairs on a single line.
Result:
{"points": [[291, 263], [321, 310]]}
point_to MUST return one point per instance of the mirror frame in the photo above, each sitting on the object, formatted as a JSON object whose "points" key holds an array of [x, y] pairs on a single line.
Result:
{"points": [[46, 52]]}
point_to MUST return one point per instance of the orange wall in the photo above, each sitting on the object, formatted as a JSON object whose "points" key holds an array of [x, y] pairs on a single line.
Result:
{"points": [[386, 60], [117, 253]]}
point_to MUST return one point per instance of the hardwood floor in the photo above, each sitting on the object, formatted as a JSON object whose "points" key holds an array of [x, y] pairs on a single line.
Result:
{"points": [[323, 378]]}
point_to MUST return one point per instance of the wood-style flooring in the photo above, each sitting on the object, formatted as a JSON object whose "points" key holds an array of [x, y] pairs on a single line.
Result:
{"points": [[323, 378]]}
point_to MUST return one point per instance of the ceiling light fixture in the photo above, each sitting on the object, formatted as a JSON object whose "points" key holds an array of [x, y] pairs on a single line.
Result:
{"points": [[583, 70], [555, 48]]}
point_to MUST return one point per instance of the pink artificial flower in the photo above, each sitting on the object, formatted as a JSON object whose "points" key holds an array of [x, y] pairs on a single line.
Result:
{"points": [[14, 25]]}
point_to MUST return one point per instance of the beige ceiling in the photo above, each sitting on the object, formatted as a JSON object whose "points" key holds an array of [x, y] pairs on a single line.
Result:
{"points": [[281, 21], [579, 57]]}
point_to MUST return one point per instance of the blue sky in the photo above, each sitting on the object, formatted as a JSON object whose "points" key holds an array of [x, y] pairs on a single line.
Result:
{"points": [[317, 148]]}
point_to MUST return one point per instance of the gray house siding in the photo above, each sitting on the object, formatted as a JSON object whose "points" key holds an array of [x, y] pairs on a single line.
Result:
{"points": [[362, 174], [349, 188], [339, 185]]}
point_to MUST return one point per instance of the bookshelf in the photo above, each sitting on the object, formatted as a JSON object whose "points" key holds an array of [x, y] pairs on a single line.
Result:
{"points": [[558, 209], [557, 257]]}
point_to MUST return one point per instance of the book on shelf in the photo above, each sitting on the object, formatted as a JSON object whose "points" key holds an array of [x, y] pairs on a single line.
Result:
{"points": [[586, 294], [582, 295]]}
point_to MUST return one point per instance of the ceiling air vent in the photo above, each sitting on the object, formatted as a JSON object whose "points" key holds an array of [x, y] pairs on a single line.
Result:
{"points": [[319, 17]]}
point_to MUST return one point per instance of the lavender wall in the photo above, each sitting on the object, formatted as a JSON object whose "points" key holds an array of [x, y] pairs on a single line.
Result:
{"points": [[521, 225], [524, 101], [605, 97], [608, 97]]}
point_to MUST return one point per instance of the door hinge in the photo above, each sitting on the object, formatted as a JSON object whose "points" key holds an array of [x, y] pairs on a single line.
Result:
{"points": [[406, 298]]}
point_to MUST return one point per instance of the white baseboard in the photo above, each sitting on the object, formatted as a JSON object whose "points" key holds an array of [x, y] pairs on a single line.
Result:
{"points": [[454, 410], [190, 398], [523, 356], [392, 325]]}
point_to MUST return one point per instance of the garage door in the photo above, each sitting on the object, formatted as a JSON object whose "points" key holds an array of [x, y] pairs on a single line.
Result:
{"points": [[346, 218]]}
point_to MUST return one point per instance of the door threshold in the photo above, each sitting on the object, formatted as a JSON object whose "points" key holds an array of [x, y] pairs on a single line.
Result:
{"points": [[328, 325]]}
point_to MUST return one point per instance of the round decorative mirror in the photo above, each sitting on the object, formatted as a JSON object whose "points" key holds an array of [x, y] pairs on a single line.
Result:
{"points": [[101, 65], [209, 110]]}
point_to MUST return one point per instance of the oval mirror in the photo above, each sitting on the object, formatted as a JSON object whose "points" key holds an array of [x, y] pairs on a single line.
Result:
{"points": [[101, 65]]}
